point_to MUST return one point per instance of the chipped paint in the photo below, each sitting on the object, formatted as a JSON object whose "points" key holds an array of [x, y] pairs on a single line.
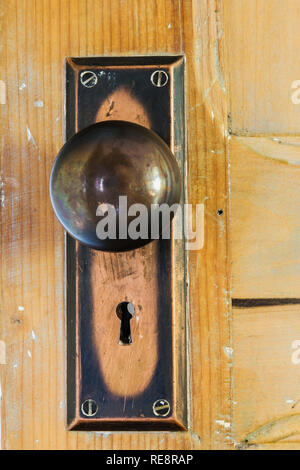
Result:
{"points": [[2, 92], [196, 438], [22, 86], [228, 351], [289, 401], [30, 137], [29, 353], [32, 335], [217, 66], [223, 423], [21, 308], [38, 104], [2, 193], [2, 352]]}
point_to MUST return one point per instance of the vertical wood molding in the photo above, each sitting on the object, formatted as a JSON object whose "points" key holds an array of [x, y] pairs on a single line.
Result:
{"points": [[207, 176]]}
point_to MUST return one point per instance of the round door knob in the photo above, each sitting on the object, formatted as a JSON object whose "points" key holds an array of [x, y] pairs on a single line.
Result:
{"points": [[103, 162]]}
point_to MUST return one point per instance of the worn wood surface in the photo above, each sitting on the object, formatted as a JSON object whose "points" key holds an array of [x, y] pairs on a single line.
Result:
{"points": [[37, 36], [265, 221], [263, 109], [241, 90], [262, 42], [266, 374]]}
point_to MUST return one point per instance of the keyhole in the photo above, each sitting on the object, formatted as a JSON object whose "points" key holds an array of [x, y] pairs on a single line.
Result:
{"points": [[125, 312]]}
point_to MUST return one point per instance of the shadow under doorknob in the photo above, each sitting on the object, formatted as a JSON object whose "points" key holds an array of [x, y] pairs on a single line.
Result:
{"points": [[102, 163]]}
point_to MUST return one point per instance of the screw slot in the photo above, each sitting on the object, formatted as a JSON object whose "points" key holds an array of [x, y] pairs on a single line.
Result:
{"points": [[159, 78], [88, 78], [89, 408], [161, 407]]}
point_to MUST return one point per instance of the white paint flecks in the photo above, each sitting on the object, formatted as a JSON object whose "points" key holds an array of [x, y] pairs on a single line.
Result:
{"points": [[218, 67], [22, 86], [2, 193], [228, 351], [21, 308], [289, 401], [2, 352], [33, 337], [169, 25], [38, 104], [103, 434], [2, 92], [224, 130], [30, 137], [196, 438], [29, 353], [223, 423], [296, 354]]}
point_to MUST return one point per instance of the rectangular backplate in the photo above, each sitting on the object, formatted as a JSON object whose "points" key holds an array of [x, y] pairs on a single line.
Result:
{"points": [[141, 386]]}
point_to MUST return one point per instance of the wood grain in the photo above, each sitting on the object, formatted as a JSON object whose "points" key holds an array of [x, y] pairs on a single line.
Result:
{"points": [[265, 223], [266, 375], [262, 39], [209, 280], [37, 37]]}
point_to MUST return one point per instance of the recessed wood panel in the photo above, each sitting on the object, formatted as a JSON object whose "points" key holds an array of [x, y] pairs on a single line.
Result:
{"points": [[266, 353], [265, 222], [262, 40]]}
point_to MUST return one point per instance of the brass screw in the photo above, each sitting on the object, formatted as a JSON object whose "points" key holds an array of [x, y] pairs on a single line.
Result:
{"points": [[161, 407], [159, 78], [88, 79], [89, 408]]}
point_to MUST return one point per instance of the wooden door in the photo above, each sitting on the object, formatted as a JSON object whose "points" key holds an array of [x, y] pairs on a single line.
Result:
{"points": [[242, 163]]}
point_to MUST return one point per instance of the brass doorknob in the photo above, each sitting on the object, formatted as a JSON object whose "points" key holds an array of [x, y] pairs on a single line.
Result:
{"points": [[103, 162]]}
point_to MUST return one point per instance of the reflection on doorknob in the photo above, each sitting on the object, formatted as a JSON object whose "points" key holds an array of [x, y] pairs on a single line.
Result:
{"points": [[102, 163]]}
